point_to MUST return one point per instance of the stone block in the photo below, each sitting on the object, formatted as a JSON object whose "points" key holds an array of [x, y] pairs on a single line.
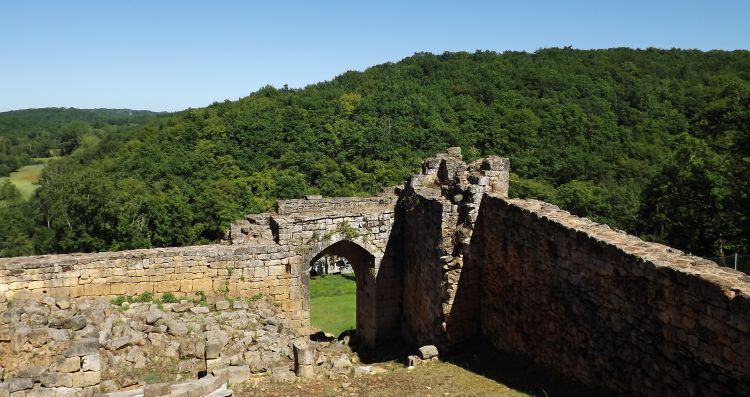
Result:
{"points": [[118, 289], [18, 384], [96, 290], [204, 284], [156, 390], [75, 323], [239, 374], [91, 363], [199, 309], [168, 286], [38, 337], [281, 374], [413, 361], [216, 363], [34, 373], [222, 305], [303, 354], [82, 348], [205, 385], [186, 285], [70, 364], [177, 328], [56, 379], [278, 270], [213, 350]]}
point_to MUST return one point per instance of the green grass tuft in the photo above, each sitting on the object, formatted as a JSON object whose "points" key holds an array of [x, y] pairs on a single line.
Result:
{"points": [[144, 297], [169, 297]]}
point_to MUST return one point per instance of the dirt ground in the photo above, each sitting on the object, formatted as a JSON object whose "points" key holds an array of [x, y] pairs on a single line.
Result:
{"points": [[475, 372], [434, 379]]}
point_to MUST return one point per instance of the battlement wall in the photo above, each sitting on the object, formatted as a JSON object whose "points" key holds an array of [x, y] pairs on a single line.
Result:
{"points": [[334, 204], [608, 308], [237, 271]]}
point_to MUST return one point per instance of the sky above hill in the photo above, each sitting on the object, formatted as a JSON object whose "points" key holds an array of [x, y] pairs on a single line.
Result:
{"points": [[170, 55]]}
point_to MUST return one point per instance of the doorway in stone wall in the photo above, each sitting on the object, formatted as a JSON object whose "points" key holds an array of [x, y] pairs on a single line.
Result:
{"points": [[337, 279], [333, 297]]}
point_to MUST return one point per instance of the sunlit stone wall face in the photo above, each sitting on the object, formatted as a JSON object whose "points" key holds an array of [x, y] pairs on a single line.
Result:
{"points": [[238, 271]]}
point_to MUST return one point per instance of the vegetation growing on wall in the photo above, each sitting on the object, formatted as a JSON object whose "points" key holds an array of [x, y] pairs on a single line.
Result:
{"points": [[652, 141]]}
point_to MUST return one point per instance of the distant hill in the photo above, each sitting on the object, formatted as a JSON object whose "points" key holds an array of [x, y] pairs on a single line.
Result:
{"points": [[652, 141], [67, 115], [29, 133]]}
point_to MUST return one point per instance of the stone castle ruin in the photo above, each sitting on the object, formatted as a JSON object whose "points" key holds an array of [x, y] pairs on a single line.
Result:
{"points": [[449, 259]]}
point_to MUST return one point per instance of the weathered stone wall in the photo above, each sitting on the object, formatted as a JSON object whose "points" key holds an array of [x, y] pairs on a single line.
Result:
{"points": [[240, 271], [368, 237], [607, 308], [334, 204], [422, 274], [85, 347], [439, 208]]}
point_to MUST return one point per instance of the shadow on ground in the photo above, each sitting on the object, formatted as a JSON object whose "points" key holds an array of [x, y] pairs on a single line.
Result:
{"points": [[518, 372]]}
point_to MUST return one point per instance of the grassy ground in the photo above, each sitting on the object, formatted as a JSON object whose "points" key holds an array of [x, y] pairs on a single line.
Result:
{"points": [[25, 178], [435, 379], [333, 303], [472, 371]]}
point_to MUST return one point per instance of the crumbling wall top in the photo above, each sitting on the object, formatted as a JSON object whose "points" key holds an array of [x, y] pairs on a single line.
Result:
{"points": [[732, 282], [338, 204]]}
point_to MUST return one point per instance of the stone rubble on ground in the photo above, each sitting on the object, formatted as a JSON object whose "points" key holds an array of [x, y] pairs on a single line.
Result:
{"points": [[88, 347]]}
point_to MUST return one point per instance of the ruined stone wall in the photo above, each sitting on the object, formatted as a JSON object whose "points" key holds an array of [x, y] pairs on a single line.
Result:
{"points": [[240, 271], [607, 308], [329, 204], [422, 274], [374, 231], [439, 208]]}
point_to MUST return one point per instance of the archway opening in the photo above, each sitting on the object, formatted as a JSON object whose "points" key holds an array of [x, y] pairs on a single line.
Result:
{"points": [[333, 295], [337, 282]]}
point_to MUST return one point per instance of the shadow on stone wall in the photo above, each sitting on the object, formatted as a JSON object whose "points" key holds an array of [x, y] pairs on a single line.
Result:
{"points": [[420, 267]]}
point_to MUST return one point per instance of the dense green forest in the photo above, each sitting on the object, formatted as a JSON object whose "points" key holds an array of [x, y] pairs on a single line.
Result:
{"points": [[37, 133], [656, 142]]}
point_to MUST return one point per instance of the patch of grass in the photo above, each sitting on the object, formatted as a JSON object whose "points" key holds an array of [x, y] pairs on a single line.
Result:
{"points": [[333, 303], [26, 177], [254, 298], [169, 297], [332, 285], [144, 297], [201, 298]]}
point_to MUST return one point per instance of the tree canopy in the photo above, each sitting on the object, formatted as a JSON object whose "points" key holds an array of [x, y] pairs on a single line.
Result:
{"points": [[652, 141]]}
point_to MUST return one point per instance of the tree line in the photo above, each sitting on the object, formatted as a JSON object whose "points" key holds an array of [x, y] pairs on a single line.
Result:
{"points": [[652, 141]]}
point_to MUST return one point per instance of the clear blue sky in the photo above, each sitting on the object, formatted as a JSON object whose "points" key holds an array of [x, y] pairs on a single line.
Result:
{"points": [[170, 55]]}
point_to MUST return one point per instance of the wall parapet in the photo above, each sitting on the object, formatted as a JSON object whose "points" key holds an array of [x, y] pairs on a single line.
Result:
{"points": [[239, 271], [607, 308], [334, 204], [733, 283]]}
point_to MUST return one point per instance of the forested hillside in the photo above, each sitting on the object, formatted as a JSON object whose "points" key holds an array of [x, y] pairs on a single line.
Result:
{"points": [[656, 142], [33, 133]]}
